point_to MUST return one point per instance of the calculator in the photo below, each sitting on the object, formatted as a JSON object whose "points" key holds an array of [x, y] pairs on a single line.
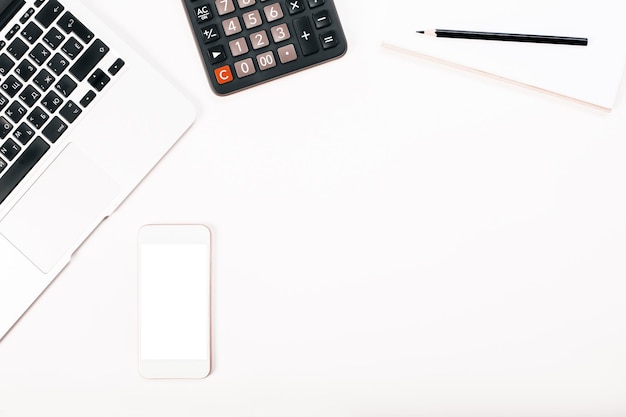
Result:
{"points": [[248, 42]]}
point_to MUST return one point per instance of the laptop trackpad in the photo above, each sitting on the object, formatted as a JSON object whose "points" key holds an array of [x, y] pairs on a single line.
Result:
{"points": [[60, 210]]}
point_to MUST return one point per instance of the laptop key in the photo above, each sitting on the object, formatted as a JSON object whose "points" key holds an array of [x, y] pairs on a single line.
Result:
{"points": [[70, 24], [54, 38], [70, 111], [39, 53], [3, 101], [58, 63], [30, 95], [72, 48], [17, 48], [117, 66], [16, 111], [5, 127], [11, 33], [32, 32], [11, 86], [27, 15], [89, 59], [10, 149], [52, 101], [87, 98], [66, 86], [44, 80], [25, 70], [3, 165], [22, 166], [99, 79], [54, 130], [38, 117], [49, 13], [6, 64], [24, 133]]}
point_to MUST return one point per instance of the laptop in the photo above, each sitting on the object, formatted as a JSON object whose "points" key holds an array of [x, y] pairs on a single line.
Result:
{"points": [[83, 119]]}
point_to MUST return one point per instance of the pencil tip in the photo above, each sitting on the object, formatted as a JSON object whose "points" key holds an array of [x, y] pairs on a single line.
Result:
{"points": [[420, 31]]}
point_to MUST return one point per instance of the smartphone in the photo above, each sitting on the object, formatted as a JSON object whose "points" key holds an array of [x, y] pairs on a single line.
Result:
{"points": [[174, 300]]}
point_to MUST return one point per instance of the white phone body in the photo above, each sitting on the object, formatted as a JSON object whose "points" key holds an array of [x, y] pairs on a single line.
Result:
{"points": [[174, 301]]}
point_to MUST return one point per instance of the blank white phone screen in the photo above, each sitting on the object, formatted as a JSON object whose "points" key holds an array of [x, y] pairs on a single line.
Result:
{"points": [[174, 305]]}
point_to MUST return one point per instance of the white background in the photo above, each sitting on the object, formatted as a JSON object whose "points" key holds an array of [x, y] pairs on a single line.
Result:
{"points": [[391, 238]]}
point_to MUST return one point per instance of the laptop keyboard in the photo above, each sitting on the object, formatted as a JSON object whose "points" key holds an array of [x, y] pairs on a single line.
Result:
{"points": [[49, 74]]}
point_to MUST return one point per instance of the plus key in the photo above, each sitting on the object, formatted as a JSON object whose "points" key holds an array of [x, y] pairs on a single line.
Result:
{"points": [[306, 38]]}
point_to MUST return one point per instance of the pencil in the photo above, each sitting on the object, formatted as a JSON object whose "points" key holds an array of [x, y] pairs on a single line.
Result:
{"points": [[506, 37]]}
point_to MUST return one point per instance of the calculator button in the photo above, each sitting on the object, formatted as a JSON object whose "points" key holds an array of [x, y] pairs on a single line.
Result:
{"points": [[252, 19], [329, 40], [216, 54], [259, 40], [246, 3], [210, 34], [315, 3], [231, 26], [295, 6], [266, 61], [287, 54], [203, 13], [244, 68], [273, 12], [224, 6], [280, 33], [304, 32], [223, 74], [321, 19], [238, 46]]}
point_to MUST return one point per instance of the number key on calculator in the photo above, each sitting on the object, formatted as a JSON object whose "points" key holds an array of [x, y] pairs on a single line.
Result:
{"points": [[248, 42]]}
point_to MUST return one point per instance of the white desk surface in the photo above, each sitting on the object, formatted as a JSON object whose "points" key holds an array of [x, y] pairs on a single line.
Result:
{"points": [[392, 237]]}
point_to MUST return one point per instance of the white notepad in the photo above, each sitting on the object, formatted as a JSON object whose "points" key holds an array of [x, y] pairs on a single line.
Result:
{"points": [[591, 74]]}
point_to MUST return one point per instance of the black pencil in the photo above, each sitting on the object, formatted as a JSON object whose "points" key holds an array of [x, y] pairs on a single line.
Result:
{"points": [[506, 37]]}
